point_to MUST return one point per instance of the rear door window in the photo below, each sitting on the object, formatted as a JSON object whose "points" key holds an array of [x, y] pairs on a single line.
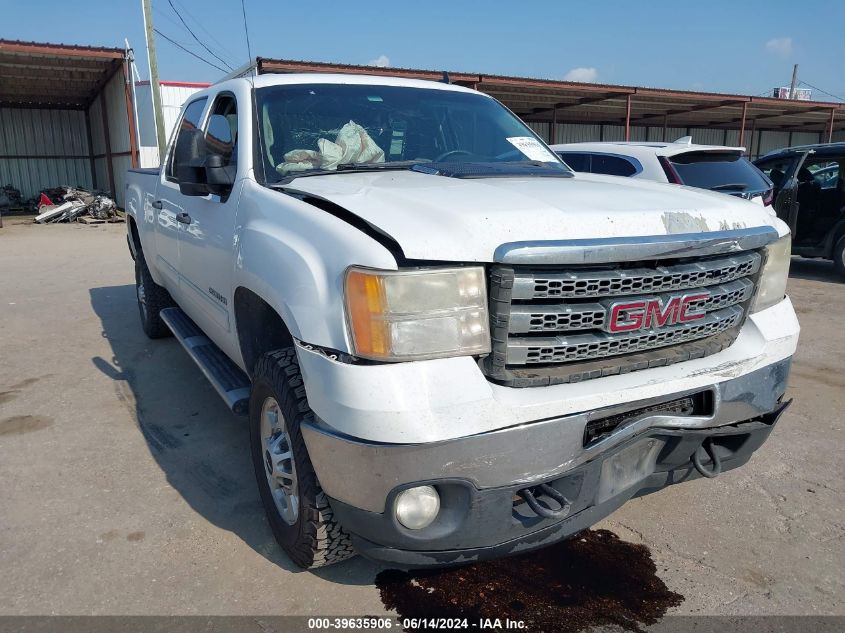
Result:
{"points": [[729, 172], [612, 165], [578, 161]]}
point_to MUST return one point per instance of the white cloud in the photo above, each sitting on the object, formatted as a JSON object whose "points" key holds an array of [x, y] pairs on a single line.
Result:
{"points": [[780, 46], [382, 61], [585, 75]]}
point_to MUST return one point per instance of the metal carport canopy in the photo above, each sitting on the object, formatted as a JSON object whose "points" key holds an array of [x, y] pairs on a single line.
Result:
{"points": [[49, 75], [544, 100], [43, 77]]}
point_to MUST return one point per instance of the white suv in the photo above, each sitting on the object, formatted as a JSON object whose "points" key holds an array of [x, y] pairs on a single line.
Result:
{"points": [[713, 167]]}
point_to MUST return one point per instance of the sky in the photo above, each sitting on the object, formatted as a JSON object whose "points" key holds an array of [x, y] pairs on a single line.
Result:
{"points": [[716, 46]]}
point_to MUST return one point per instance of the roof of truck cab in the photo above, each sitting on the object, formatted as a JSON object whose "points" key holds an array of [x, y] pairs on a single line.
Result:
{"points": [[263, 81], [641, 149]]}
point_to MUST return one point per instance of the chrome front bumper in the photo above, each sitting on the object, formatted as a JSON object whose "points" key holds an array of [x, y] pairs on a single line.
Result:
{"points": [[363, 474]]}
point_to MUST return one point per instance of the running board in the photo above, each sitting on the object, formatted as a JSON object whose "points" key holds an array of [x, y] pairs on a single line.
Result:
{"points": [[227, 378]]}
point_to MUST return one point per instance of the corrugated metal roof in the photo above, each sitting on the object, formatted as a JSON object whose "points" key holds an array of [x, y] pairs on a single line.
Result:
{"points": [[544, 100], [36, 74]]}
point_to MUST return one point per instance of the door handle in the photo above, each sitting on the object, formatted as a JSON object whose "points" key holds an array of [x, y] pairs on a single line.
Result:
{"points": [[183, 217], [157, 204]]}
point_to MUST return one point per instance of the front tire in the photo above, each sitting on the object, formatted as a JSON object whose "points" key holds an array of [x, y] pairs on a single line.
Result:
{"points": [[152, 299], [839, 256], [296, 506]]}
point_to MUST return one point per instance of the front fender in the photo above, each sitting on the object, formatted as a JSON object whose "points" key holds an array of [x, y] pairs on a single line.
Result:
{"points": [[294, 255]]}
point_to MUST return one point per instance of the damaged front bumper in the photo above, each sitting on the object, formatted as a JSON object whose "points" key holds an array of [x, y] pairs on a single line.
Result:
{"points": [[595, 461]]}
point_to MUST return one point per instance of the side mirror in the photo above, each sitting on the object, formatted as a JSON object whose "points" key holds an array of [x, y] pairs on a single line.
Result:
{"points": [[190, 153], [219, 176]]}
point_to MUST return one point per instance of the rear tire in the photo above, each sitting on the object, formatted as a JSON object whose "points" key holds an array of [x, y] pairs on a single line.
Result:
{"points": [[296, 506], [839, 256], [152, 299]]}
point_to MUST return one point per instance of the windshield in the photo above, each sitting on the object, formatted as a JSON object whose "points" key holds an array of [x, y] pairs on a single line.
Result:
{"points": [[718, 170], [320, 128]]}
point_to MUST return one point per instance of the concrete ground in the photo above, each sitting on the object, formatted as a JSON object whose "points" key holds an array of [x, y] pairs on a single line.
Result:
{"points": [[126, 486]]}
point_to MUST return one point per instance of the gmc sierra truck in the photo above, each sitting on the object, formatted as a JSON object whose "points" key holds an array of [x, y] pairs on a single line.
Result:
{"points": [[448, 345]]}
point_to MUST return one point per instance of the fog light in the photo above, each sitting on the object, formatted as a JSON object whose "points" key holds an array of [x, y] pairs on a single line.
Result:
{"points": [[417, 507]]}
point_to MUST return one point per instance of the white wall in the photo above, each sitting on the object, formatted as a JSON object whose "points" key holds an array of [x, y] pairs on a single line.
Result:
{"points": [[172, 99]]}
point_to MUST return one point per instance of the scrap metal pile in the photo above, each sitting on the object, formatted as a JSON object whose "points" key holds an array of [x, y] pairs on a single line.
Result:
{"points": [[66, 204]]}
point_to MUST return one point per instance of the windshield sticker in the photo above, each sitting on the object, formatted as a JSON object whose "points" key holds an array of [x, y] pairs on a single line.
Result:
{"points": [[532, 148]]}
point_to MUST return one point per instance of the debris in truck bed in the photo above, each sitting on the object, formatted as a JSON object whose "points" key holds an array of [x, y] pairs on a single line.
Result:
{"points": [[67, 204]]}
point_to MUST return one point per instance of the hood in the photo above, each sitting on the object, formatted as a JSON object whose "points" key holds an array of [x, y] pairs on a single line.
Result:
{"points": [[453, 219]]}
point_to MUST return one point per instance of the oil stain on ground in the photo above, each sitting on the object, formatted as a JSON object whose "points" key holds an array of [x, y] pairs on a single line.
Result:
{"points": [[18, 424], [594, 579]]}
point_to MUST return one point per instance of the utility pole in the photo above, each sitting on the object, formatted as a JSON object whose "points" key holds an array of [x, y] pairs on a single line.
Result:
{"points": [[155, 86], [794, 81]]}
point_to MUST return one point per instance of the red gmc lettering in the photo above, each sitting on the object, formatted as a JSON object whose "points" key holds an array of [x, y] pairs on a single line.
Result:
{"points": [[636, 315]]}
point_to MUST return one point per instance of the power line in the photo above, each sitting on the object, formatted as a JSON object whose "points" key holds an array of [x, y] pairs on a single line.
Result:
{"points": [[246, 30], [178, 45], [824, 92], [220, 45], [194, 35]]}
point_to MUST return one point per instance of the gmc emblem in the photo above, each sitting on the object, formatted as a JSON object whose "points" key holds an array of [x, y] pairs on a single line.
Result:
{"points": [[627, 316]]}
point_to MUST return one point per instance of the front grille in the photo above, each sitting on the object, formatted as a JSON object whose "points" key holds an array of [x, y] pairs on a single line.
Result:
{"points": [[608, 283], [554, 326]]}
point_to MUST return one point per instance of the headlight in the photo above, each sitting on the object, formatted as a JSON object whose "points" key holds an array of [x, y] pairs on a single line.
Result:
{"points": [[417, 314], [772, 286]]}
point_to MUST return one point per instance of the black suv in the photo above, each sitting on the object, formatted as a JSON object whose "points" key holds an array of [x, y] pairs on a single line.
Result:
{"points": [[810, 197]]}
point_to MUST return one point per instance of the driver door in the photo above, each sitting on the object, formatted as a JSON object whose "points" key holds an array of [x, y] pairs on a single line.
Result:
{"points": [[206, 240], [782, 172]]}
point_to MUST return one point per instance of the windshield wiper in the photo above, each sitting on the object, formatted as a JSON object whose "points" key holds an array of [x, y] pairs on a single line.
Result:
{"points": [[730, 186], [349, 168], [399, 164]]}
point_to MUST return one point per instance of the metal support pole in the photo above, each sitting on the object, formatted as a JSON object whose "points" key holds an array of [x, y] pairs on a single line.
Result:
{"points": [[155, 85], [628, 118], [753, 129], [107, 139], [794, 81], [742, 125], [90, 148], [830, 126], [553, 127], [665, 125], [130, 111]]}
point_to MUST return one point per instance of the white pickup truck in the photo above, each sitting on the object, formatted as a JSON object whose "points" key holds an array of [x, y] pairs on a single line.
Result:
{"points": [[447, 344]]}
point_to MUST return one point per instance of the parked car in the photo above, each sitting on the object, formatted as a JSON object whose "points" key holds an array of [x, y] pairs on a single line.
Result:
{"points": [[810, 198], [448, 345], [712, 167]]}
